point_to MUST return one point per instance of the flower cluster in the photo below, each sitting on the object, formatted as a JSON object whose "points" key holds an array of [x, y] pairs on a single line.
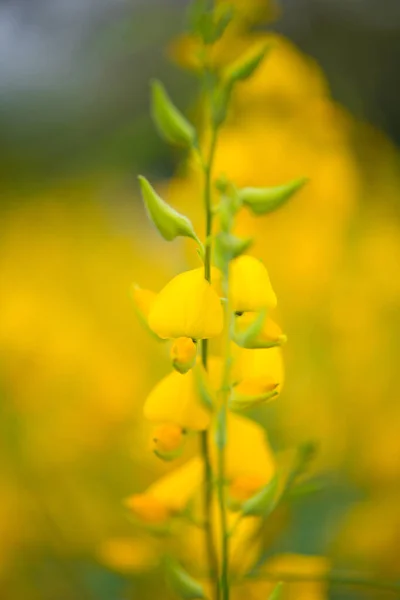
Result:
{"points": [[234, 483]]}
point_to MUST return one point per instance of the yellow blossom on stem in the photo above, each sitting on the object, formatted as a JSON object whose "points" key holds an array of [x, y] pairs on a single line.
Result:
{"points": [[269, 335], [187, 307], [252, 392], [183, 354], [250, 286], [175, 399], [168, 440], [264, 363], [168, 496]]}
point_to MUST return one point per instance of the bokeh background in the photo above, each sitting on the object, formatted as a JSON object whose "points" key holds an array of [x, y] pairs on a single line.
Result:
{"points": [[75, 364]]}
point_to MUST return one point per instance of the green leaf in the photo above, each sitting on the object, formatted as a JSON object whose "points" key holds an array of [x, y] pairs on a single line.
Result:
{"points": [[170, 122], [246, 65], [183, 584], [277, 592], [264, 502], [265, 200], [168, 221], [208, 23]]}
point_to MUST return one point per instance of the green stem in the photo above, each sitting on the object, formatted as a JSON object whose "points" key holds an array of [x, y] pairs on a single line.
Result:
{"points": [[330, 579], [222, 439], [208, 477]]}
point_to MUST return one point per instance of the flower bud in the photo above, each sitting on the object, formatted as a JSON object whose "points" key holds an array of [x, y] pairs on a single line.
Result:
{"points": [[265, 200], [244, 487], [228, 247], [181, 583], [246, 65], [168, 441], [148, 509], [170, 122], [264, 502], [168, 221], [183, 354], [253, 392]]}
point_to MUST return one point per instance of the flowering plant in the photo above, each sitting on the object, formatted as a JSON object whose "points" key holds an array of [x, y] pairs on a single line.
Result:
{"points": [[225, 355]]}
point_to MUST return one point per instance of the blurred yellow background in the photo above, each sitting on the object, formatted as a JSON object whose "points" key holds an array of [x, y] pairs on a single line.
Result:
{"points": [[76, 363]]}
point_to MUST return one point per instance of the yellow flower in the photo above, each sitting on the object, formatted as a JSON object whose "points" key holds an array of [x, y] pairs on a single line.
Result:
{"points": [[168, 496], [290, 565], [168, 440], [248, 454], [175, 400], [128, 554], [270, 333], [143, 300], [183, 354], [251, 288], [259, 365], [168, 437], [187, 307], [252, 392]]}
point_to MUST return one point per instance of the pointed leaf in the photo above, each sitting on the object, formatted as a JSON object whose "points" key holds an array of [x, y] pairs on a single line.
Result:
{"points": [[246, 65], [262, 503], [170, 122], [168, 221], [265, 200], [183, 584]]}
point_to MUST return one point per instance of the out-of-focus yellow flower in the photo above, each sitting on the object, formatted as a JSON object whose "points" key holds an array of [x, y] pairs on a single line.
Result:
{"points": [[305, 567], [244, 487], [183, 354], [129, 555], [250, 287], [143, 300], [168, 440], [168, 496], [175, 399], [187, 307], [148, 509], [248, 454]]}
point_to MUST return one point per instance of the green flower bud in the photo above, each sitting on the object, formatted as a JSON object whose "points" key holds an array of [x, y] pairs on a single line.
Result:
{"points": [[168, 221], [228, 247], [181, 583], [170, 122], [264, 502], [246, 65], [208, 22], [265, 200]]}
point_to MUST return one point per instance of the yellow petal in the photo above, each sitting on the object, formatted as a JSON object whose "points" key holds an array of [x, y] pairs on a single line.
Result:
{"points": [[175, 400], [187, 307], [270, 333], [248, 453], [143, 300], [175, 489], [250, 287], [148, 509], [265, 363]]}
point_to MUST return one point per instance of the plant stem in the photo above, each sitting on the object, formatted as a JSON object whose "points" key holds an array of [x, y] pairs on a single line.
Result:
{"points": [[208, 476], [222, 439], [331, 579]]}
